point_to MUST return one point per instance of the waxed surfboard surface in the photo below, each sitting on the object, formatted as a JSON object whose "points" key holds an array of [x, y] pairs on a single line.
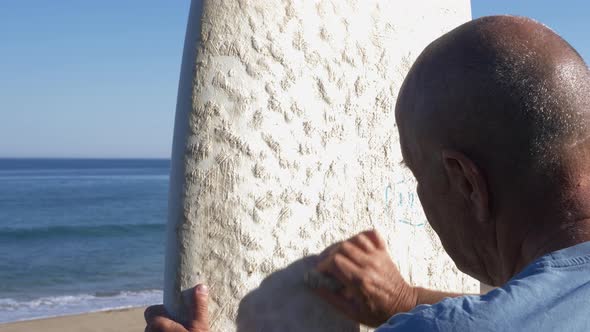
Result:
{"points": [[285, 142]]}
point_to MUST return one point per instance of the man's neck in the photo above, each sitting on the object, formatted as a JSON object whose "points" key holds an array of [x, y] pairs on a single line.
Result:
{"points": [[554, 236]]}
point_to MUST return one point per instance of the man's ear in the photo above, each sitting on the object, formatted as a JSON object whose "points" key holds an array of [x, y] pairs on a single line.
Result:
{"points": [[470, 181]]}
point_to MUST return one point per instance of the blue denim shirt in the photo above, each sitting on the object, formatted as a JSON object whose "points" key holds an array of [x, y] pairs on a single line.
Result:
{"points": [[550, 294]]}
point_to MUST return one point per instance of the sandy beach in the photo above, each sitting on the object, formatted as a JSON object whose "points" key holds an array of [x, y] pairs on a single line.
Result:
{"points": [[104, 321]]}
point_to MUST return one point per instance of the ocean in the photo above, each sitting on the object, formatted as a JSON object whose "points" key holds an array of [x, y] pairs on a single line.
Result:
{"points": [[80, 235]]}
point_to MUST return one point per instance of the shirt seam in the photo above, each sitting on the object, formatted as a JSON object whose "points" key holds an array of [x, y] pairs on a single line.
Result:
{"points": [[564, 262]]}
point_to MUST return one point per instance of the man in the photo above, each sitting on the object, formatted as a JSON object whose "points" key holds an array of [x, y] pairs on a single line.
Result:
{"points": [[494, 123]]}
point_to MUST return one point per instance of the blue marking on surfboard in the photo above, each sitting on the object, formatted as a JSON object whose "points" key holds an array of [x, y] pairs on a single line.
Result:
{"points": [[411, 199]]}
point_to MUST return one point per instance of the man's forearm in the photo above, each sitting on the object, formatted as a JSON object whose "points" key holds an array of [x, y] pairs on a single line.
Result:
{"points": [[430, 296]]}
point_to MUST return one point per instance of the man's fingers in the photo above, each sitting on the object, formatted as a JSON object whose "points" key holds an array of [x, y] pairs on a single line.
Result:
{"points": [[200, 315], [341, 268], [163, 324], [354, 253], [348, 249], [375, 238], [326, 266], [154, 311], [347, 269], [158, 320], [328, 251], [362, 241]]}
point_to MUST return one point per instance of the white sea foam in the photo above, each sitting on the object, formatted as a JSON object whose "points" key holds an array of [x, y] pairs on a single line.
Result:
{"points": [[13, 310]]}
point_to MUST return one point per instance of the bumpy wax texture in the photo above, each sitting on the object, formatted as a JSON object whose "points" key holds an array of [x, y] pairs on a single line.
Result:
{"points": [[291, 146]]}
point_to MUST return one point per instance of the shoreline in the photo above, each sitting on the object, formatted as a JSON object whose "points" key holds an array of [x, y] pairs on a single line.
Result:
{"points": [[13, 310], [125, 319]]}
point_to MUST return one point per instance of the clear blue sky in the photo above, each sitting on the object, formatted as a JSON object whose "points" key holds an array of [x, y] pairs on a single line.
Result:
{"points": [[99, 78]]}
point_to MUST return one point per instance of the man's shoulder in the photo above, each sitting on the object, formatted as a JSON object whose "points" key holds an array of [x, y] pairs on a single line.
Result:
{"points": [[550, 294]]}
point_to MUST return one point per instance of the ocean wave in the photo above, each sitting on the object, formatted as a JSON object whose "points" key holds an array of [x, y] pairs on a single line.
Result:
{"points": [[14, 310], [79, 231], [77, 178]]}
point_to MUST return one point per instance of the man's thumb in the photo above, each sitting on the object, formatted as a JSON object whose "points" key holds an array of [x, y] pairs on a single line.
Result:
{"points": [[200, 315]]}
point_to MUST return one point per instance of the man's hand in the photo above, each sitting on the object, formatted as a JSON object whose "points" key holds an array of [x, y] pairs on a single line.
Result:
{"points": [[373, 289], [158, 320]]}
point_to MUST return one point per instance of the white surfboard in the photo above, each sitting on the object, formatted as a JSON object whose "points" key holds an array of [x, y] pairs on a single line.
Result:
{"points": [[285, 142]]}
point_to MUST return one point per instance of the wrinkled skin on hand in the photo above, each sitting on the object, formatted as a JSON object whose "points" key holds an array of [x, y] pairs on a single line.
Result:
{"points": [[373, 289], [158, 319]]}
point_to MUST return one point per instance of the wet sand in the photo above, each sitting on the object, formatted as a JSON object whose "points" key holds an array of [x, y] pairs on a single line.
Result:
{"points": [[104, 321]]}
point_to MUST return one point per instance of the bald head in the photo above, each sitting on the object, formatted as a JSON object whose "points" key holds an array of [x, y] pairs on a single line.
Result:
{"points": [[494, 122], [507, 91]]}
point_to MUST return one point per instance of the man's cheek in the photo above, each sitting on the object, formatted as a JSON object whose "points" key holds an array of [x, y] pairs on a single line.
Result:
{"points": [[426, 207]]}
